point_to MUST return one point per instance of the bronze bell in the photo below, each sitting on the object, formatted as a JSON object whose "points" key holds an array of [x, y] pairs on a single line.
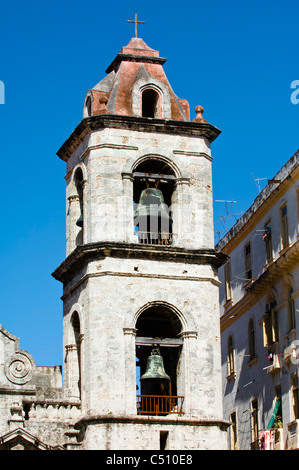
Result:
{"points": [[79, 222], [152, 204], [155, 368]]}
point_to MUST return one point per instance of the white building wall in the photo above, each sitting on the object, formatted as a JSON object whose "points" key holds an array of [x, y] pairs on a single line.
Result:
{"points": [[255, 379]]}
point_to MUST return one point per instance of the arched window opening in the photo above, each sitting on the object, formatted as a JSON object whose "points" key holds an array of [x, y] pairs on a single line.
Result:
{"points": [[150, 103], [153, 189], [158, 349], [88, 106], [230, 357], [291, 310], [26, 410], [74, 357], [271, 326], [76, 328], [79, 220], [251, 338]]}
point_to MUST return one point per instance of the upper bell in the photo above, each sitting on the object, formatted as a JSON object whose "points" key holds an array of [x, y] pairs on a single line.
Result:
{"points": [[152, 204], [155, 368]]}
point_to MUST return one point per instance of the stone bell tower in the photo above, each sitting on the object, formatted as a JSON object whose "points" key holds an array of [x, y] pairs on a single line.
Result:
{"points": [[140, 283]]}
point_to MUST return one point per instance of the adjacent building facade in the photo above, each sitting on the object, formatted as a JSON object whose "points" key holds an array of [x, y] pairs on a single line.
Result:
{"points": [[140, 280], [260, 318]]}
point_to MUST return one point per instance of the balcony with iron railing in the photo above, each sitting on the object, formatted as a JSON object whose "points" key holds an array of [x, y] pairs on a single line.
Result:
{"points": [[159, 405]]}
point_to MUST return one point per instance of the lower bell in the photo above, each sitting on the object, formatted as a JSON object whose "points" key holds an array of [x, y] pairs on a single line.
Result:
{"points": [[155, 368]]}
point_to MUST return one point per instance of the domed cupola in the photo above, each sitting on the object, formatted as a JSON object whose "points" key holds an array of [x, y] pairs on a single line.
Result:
{"points": [[136, 85]]}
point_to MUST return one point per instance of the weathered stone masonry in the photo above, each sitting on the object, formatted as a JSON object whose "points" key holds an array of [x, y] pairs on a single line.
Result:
{"points": [[126, 288]]}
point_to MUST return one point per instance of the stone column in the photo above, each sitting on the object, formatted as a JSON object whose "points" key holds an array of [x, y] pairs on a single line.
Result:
{"points": [[187, 379], [181, 213], [127, 213], [73, 370], [73, 213], [86, 228], [130, 370]]}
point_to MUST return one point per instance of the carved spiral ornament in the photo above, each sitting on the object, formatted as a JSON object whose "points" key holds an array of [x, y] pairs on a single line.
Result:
{"points": [[20, 368]]}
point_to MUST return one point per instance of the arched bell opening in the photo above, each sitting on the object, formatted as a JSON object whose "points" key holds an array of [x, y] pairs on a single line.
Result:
{"points": [[73, 356], [88, 106], [158, 350], [150, 103], [153, 191], [78, 180]]}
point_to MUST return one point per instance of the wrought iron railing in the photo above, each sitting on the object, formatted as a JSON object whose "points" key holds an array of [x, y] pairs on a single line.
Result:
{"points": [[155, 238], [159, 404]]}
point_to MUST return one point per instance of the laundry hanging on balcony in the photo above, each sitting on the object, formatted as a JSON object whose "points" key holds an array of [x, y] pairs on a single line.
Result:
{"points": [[267, 439]]}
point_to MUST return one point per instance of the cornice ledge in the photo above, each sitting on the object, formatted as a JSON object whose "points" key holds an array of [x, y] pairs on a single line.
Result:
{"points": [[169, 419], [84, 253], [258, 288], [134, 58], [135, 123], [277, 269]]}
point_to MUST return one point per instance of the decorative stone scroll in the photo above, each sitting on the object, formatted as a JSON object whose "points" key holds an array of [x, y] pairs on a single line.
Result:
{"points": [[20, 368]]}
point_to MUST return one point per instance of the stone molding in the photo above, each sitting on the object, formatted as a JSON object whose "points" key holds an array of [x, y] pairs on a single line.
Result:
{"points": [[167, 420], [92, 251], [134, 58], [193, 154], [188, 334], [133, 123], [130, 331], [144, 275], [25, 440]]}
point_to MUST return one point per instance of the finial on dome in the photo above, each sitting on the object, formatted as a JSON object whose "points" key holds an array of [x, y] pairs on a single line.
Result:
{"points": [[199, 110]]}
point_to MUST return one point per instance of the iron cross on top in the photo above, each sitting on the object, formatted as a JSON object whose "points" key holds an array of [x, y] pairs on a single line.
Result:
{"points": [[135, 21]]}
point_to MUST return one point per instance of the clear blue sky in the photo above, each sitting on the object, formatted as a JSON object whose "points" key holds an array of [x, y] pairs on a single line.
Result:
{"points": [[237, 58]]}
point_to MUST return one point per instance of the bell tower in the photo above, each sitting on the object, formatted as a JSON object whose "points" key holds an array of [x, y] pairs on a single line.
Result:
{"points": [[140, 284]]}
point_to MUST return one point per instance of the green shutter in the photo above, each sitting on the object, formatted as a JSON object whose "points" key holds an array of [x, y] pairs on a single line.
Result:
{"points": [[274, 414]]}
